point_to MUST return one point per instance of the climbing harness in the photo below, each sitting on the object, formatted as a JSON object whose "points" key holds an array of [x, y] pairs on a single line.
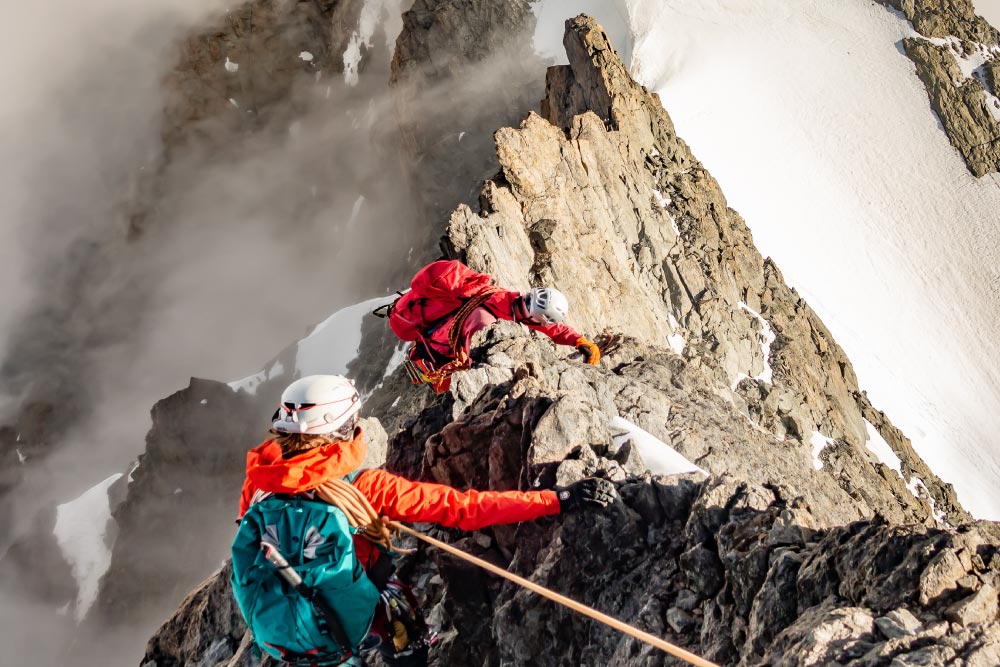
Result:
{"points": [[630, 630], [420, 361]]}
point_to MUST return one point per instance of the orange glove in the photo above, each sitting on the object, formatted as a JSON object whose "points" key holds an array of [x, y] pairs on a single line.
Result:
{"points": [[591, 351]]}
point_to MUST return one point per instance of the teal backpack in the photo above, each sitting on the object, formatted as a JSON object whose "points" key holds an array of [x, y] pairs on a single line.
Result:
{"points": [[292, 623]]}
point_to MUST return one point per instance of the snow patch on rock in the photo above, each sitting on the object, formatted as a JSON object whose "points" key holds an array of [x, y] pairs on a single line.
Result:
{"points": [[878, 446], [356, 211], [396, 360], [334, 343], [916, 485], [389, 13], [80, 530], [819, 442], [676, 338], [766, 338], [250, 383], [659, 457]]}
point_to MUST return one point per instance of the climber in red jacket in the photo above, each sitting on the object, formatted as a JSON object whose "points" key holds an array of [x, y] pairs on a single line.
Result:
{"points": [[316, 452], [448, 302]]}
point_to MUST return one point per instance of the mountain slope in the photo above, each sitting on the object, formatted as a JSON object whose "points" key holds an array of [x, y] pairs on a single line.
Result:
{"points": [[785, 555], [819, 130]]}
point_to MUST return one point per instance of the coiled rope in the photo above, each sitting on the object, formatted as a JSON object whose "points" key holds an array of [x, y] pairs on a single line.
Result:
{"points": [[359, 512], [630, 630]]}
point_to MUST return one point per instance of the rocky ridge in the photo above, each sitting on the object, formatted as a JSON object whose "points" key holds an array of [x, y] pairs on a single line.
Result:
{"points": [[769, 561], [459, 71], [968, 105]]}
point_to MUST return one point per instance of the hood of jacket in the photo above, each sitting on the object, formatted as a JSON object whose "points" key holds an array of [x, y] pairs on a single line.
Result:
{"points": [[268, 471]]}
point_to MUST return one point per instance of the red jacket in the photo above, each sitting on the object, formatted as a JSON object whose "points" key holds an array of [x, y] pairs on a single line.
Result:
{"points": [[501, 305], [392, 496]]}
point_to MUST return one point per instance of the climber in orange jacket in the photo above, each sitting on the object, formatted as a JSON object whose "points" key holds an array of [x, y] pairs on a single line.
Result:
{"points": [[448, 302], [317, 447]]}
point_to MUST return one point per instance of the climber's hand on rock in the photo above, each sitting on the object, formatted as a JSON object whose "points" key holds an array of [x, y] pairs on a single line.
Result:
{"points": [[589, 350], [590, 493]]}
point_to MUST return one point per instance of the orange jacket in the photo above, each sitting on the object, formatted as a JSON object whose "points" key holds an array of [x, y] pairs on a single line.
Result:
{"points": [[391, 496]]}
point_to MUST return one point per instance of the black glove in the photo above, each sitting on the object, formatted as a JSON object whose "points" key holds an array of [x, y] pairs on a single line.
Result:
{"points": [[590, 493]]}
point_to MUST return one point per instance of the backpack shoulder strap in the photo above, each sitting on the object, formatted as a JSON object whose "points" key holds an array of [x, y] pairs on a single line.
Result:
{"points": [[385, 310]]}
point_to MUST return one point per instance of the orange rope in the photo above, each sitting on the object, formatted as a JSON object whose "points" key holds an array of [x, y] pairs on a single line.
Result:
{"points": [[455, 333], [630, 630], [460, 357], [357, 509]]}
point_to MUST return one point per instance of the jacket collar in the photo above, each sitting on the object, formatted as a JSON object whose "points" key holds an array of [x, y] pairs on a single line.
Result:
{"points": [[270, 472]]}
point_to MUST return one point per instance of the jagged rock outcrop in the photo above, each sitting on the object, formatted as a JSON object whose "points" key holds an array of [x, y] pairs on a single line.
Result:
{"points": [[946, 18], [992, 72], [603, 199], [958, 101], [186, 483], [461, 69], [772, 560], [960, 104], [744, 573]]}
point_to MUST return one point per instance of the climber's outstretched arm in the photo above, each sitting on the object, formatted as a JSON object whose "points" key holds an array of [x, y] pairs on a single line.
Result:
{"points": [[403, 500]]}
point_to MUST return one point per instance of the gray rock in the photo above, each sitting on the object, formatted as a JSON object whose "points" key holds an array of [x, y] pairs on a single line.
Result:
{"points": [[687, 600], [680, 621], [941, 576], [959, 104], [704, 572], [898, 623], [980, 607], [377, 441]]}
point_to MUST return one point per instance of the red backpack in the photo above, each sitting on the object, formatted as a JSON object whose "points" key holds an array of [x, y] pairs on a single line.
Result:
{"points": [[436, 293]]}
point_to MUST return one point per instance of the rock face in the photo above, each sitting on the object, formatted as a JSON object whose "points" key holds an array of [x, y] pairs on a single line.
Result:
{"points": [[461, 69], [601, 198], [187, 481], [946, 18], [801, 548], [266, 46], [992, 70], [961, 102]]}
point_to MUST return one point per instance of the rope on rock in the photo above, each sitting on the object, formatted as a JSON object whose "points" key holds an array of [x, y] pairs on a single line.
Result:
{"points": [[630, 630]]}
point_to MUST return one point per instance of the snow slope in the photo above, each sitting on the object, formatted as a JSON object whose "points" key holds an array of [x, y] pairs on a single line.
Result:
{"points": [[80, 530], [822, 136], [328, 349]]}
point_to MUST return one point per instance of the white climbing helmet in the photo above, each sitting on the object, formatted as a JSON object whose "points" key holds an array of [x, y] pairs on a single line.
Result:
{"points": [[546, 304], [318, 405]]}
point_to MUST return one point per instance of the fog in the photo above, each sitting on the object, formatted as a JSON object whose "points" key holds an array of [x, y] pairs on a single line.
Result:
{"points": [[130, 265]]}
